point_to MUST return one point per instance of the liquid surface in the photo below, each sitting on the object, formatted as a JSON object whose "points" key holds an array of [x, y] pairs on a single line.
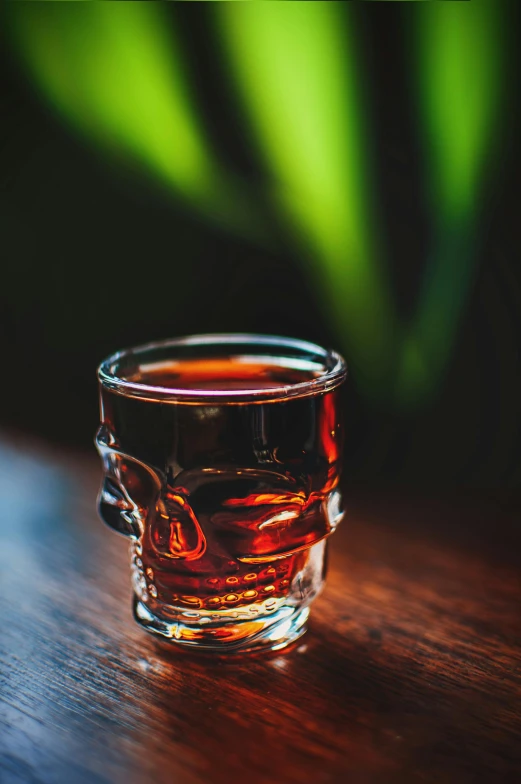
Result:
{"points": [[226, 500], [237, 373]]}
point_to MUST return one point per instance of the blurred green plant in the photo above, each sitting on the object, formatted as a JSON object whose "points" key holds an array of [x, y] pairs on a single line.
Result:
{"points": [[297, 71], [117, 72], [458, 51]]}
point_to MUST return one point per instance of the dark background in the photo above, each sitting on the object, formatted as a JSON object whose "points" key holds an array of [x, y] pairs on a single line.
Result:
{"points": [[96, 257]]}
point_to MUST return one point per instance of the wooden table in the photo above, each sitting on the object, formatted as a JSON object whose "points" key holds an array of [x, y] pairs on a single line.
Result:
{"points": [[410, 672]]}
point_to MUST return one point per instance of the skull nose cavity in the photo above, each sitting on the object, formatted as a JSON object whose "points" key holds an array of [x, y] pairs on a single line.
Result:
{"points": [[183, 540], [177, 533]]}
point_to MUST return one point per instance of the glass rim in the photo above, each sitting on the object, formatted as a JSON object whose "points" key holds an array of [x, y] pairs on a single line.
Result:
{"points": [[334, 374]]}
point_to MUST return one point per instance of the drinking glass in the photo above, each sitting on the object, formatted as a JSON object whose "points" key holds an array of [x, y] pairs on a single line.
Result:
{"points": [[221, 457]]}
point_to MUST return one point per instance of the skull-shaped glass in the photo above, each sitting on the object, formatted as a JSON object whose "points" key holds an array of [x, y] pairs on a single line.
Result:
{"points": [[221, 458]]}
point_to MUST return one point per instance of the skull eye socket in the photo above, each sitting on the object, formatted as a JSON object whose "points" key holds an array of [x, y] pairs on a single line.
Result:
{"points": [[244, 503], [138, 484], [244, 492], [113, 492], [129, 484]]}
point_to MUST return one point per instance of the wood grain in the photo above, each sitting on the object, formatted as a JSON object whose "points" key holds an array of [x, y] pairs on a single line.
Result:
{"points": [[410, 672]]}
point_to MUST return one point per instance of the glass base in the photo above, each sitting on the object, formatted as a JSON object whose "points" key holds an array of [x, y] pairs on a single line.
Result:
{"points": [[269, 633]]}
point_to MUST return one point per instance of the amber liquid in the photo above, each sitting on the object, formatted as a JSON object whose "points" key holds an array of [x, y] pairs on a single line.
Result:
{"points": [[240, 489]]}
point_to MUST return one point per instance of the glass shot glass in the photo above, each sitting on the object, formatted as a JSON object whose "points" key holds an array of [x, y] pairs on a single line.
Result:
{"points": [[221, 462]]}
